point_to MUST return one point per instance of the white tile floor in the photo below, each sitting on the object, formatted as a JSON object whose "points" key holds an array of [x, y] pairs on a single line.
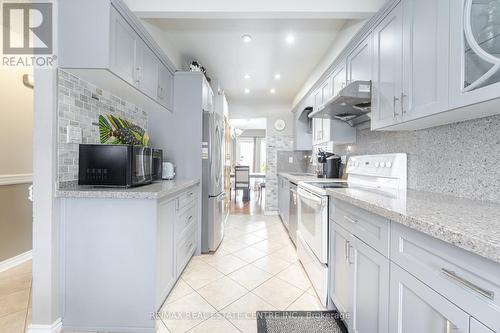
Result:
{"points": [[255, 268]]}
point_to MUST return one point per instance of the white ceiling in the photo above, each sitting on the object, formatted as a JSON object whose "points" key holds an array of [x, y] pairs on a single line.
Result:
{"points": [[253, 123], [217, 44]]}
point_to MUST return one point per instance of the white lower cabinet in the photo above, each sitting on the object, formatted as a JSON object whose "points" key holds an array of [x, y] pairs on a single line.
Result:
{"points": [[427, 285], [476, 327], [361, 283], [416, 308], [166, 274]]}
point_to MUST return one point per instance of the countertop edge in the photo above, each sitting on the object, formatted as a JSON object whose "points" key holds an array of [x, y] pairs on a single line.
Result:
{"points": [[444, 233], [82, 193]]}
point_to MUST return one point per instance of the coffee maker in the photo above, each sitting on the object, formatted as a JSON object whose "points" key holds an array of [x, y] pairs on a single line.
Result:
{"points": [[328, 165]]}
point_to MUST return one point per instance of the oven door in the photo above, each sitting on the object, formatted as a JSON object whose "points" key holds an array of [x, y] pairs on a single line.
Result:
{"points": [[142, 169], [313, 222]]}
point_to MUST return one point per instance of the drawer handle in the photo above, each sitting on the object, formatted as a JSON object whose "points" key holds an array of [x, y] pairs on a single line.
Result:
{"points": [[189, 219], [353, 221], [483, 292]]}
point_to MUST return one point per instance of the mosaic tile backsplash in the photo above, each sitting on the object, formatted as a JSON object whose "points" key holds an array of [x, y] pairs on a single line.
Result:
{"points": [[79, 104], [275, 143]]}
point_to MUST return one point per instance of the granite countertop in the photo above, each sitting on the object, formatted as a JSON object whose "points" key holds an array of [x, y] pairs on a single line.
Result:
{"points": [[297, 177], [471, 225], [156, 190]]}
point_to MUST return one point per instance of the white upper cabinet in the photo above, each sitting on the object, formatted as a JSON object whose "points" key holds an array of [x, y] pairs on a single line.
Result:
{"points": [[166, 87], [123, 48], [147, 67], [339, 79], [387, 70], [359, 61], [425, 58], [104, 43], [475, 51]]}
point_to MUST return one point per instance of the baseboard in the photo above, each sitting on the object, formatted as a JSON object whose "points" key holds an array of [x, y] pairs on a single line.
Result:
{"points": [[16, 179], [14, 261], [271, 212], [55, 327]]}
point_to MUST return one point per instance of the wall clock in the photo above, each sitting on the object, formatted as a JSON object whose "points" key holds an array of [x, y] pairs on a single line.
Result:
{"points": [[279, 125]]}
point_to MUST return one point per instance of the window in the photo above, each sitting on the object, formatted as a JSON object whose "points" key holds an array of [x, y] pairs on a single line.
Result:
{"points": [[245, 152]]}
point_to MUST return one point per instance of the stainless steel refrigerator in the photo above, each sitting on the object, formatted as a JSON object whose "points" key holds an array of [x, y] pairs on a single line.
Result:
{"points": [[214, 213]]}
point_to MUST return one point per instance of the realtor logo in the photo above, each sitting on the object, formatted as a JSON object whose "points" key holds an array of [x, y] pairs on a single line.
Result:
{"points": [[27, 28]]}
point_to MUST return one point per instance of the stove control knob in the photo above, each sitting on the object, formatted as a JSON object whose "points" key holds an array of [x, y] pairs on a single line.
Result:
{"points": [[377, 164], [389, 164], [356, 164]]}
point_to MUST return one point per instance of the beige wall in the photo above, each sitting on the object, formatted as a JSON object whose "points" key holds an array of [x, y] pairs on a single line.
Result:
{"points": [[16, 140], [15, 221], [16, 122]]}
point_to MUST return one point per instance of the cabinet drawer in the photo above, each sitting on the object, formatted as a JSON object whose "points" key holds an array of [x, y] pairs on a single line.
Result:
{"points": [[185, 219], [370, 228], [186, 198], [185, 248], [469, 281]]}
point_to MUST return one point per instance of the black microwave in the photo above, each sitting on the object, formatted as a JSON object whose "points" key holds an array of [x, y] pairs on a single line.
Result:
{"points": [[114, 165]]}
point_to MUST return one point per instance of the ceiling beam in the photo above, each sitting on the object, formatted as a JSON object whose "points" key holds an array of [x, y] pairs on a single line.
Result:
{"points": [[255, 9]]}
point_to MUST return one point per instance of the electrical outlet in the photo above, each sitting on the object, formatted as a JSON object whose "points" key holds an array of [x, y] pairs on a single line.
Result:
{"points": [[290, 159], [73, 134], [343, 159]]}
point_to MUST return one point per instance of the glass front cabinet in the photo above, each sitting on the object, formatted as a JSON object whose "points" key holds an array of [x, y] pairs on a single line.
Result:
{"points": [[475, 51]]}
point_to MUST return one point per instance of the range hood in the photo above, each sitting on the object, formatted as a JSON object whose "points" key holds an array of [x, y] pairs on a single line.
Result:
{"points": [[352, 104]]}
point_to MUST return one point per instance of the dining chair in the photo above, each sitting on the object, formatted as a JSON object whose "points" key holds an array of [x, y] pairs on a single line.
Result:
{"points": [[242, 180]]}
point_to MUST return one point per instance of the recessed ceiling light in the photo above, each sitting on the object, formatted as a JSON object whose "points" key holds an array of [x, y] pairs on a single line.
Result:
{"points": [[290, 39], [272, 91], [246, 38], [247, 91], [247, 76], [277, 76]]}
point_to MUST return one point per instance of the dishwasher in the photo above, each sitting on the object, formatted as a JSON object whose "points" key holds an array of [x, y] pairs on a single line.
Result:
{"points": [[294, 214]]}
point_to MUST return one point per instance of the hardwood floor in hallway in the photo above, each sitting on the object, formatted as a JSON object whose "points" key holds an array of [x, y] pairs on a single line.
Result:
{"points": [[255, 268], [255, 206]]}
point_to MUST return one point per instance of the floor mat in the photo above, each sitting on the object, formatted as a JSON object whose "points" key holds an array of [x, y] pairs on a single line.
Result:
{"points": [[299, 322]]}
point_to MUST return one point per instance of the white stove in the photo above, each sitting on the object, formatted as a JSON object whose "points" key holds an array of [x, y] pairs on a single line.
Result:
{"points": [[384, 174]]}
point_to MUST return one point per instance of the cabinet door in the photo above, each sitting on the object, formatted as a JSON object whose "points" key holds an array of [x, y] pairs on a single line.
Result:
{"points": [[317, 122], [147, 70], [425, 57], [341, 289], [416, 308], [387, 76], [474, 52], [339, 79], [165, 87], [165, 273], [359, 61], [477, 327], [371, 291], [123, 48]]}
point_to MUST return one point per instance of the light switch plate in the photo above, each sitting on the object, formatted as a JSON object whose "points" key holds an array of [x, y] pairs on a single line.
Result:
{"points": [[290, 159], [73, 134], [343, 159]]}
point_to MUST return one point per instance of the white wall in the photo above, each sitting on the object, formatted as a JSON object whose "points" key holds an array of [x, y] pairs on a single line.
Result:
{"points": [[171, 52], [272, 112], [344, 37]]}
